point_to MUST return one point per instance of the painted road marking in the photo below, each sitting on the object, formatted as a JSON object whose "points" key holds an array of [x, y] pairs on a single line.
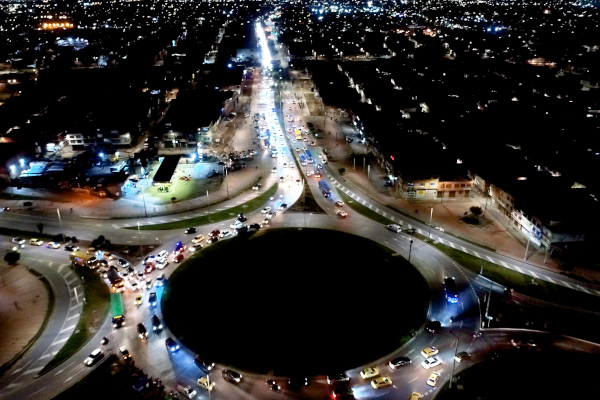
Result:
{"points": [[505, 265], [72, 376], [384, 214], [519, 269], [491, 259], [476, 254], [32, 370], [566, 284], [583, 289], [49, 355], [363, 202], [452, 245], [61, 267], [72, 316], [60, 341], [37, 391], [550, 279], [392, 218], [413, 379], [115, 226], [71, 281], [534, 274], [74, 307], [464, 249], [370, 206], [67, 328]]}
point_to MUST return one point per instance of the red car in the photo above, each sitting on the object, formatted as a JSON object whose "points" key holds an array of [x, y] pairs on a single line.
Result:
{"points": [[149, 268], [178, 258], [214, 233]]}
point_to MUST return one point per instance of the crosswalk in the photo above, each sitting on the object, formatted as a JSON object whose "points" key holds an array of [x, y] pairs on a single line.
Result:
{"points": [[448, 241]]}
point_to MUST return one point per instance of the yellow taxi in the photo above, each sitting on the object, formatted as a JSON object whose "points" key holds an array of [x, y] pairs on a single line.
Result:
{"points": [[198, 239], [138, 300], [369, 372], [429, 352], [433, 378], [416, 396], [381, 382]]}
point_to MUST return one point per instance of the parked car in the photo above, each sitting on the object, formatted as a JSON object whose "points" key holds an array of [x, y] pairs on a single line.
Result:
{"points": [[190, 230]]}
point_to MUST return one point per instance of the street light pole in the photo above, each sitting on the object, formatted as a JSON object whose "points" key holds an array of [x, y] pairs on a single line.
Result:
{"points": [[453, 360], [226, 181], [430, 219], [208, 205], [410, 249], [140, 240], [368, 178], [144, 199], [61, 227]]}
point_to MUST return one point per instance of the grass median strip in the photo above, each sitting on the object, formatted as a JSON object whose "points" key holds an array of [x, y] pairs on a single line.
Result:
{"points": [[366, 211], [214, 217], [92, 316], [521, 283]]}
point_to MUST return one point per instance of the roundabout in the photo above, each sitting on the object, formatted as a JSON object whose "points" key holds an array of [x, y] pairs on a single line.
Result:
{"points": [[295, 302]]}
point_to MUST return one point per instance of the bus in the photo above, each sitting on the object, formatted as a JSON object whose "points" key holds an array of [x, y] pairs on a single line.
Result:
{"points": [[309, 158], [324, 187], [451, 290], [117, 311], [298, 134], [302, 160]]}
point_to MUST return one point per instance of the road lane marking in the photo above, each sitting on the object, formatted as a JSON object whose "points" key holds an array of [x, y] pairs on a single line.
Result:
{"points": [[73, 316], [59, 341], [413, 379], [491, 260], [60, 267], [519, 269], [476, 254], [583, 289], [49, 355], [566, 284], [32, 370], [37, 391], [452, 245], [71, 281], [534, 274], [549, 279], [73, 376], [464, 249], [115, 226], [74, 307], [67, 328]]}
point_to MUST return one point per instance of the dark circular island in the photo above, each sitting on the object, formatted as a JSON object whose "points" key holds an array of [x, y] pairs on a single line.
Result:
{"points": [[295, 302]]}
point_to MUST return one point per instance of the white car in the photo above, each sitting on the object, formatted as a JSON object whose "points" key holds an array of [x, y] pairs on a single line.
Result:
{"points": [[265, 210], [94, 357], [36, 242], [135, 285], [195, 247], [394, 228], [18, 240], [256, 187], [270, 215], [163, 254], [431, 362], [274, 169], [53, 245], [237, 224], [438, 228], [225, 233], [161, 263]]}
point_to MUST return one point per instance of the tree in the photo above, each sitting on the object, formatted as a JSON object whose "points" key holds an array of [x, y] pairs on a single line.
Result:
{"points": [[342, 170], [40, 227], [12, 257], [476, 211]]}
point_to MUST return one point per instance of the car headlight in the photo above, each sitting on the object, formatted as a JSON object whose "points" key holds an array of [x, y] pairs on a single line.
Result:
{"points": [[160, 327], [177, 347], [154, 328]]}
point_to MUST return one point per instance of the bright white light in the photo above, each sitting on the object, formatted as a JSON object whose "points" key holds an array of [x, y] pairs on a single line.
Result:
{"points": [[22, 162], [101, 154], [12, 168]]}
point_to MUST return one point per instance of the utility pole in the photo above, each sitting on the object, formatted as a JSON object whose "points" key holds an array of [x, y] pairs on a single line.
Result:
{"points": [[61, 226], [526, 249], [208, 205], [226, 181], [368, 180], [487, 307], [410, 249], [140, 240], [144, 199], [430, 219], [453, 360], [354, 164]]}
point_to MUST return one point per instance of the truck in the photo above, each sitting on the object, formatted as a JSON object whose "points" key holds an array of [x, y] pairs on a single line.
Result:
{"points": [[116, 309], [81, 259], [116, 281], [325, 189]]}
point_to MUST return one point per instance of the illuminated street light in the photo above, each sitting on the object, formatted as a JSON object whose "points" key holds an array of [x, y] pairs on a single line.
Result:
{"points": [[22, 161]]}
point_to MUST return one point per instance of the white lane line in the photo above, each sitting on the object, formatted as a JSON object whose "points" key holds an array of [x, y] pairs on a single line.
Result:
{"points": [[566, 284], [37, 391], [32, 370], [73, 307], [549, 279], [464, 249], [377, 210], [477, 254], [67, 328], [13, 385], [597, 291], [73, 376], [61, 267], [413, 379], [491, 259], [384, 214], [115, 226], [392, 218], [72, 316], [534, 274], [519, 269], [69, 272], [452, 245], [71, 281], [353, 196], [60, 341], [370, 206], [505, 265], [583, 289], [363, 202], [49, 355]]}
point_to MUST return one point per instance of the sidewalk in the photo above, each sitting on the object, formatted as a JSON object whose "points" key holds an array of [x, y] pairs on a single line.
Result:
{"points": [[494, 232]]}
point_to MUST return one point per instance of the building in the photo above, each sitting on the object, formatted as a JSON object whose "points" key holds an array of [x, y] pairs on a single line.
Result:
{"points": [[106, 139]]}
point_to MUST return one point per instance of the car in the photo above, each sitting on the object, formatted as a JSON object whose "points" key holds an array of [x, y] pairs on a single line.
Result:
{"points": [[18, 240], [225, 233], [463, 355], [257, 186], [298, 381], [284, 165], [179, 258], [241, 229], [71, 247], [265, 210], [433, 326], [179, 247], [529, 344], [253, 227], [273, 385], [149, 268], [151, 258], [398, 362], [123, 263], [198, 239], [214, 233], [156, 324], [281, 179], [339, 203], [231, 376], [134, 285], [140, 276], [148, 283], [343, 393], [241, 218], [203, 364], [308, 173], [53, 245], [186, 390], [212, 240], [160, 281], [337, 378], [138, 300], [415, 396], [152, 299], [36, 242], [195, 247], [191, 229], [411, 231], [274, 170], [124, 353], [438, 228], [282, 207], [431, 362], [205, 383], [381, 382], [236, 224], [108, 256], [369, 372], [433, 379], [161, 263], [394, 228], [91, 250], [429, 352], [142, 331], [171, 345], [94, 357], [342, 214], [163, 254]]}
